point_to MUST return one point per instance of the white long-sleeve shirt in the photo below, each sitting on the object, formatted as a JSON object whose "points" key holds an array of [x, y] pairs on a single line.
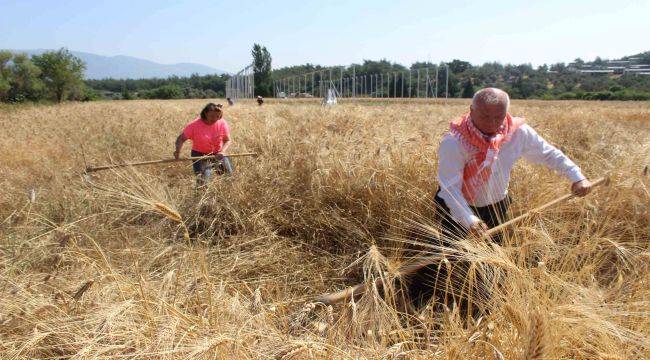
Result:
{"points": [[525, 142]]}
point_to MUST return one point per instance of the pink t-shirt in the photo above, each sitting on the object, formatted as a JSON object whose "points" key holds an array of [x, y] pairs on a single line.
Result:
{"points": [[207, 139]]}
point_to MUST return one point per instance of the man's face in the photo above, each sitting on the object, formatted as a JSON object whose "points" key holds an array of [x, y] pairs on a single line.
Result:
{"points": [[211, 117], [488, 117]]}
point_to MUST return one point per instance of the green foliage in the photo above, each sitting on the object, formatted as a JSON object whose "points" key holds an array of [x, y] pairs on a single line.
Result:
{"points": [[195, 86], [170, 91], [126, 93], [62, 72], [262, 71], [25, 81], [468, 89], [57, 75], [644, 57], [210, 94], [89, 94], [5, 72], [520, 81]]}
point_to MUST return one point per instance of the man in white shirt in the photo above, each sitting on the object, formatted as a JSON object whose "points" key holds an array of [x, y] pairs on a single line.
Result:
{"points": [[474, 163], [475, 160]]}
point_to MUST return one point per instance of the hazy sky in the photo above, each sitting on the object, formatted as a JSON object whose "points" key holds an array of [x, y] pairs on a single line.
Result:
{"points": [[331, 32]]}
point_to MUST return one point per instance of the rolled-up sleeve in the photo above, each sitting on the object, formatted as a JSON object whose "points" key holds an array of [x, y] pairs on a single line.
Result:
{"points": [[451, 163], [539, 151]]}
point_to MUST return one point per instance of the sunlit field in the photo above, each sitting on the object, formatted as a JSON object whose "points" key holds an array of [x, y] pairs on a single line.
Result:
{"points": [[100, 266]]}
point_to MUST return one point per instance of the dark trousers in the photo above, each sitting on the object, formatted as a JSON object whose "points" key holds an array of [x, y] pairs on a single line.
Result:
{"points": [[492, 215], [442, 281]]}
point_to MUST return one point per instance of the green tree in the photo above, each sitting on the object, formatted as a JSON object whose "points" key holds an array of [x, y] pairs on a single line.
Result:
{"points": [[5, 75], [468, 89], [599, 61], [262, 71], [25, 82], [126, 94], [165, 92], [578, 62], [457, 66], [62, 72], [558, 67]]}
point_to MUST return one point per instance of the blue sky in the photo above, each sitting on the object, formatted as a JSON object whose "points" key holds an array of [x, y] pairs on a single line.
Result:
{"points": [[331, 32]]}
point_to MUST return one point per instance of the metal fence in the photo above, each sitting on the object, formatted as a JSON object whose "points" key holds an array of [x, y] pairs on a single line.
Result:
{"points": [[241, 85], [425, 82]]}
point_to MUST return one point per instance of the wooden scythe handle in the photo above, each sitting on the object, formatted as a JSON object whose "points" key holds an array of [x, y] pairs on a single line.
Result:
{"points": [[163, 161]]}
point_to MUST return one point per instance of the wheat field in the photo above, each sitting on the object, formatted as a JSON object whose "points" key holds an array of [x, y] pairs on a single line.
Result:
{"points": [[137, 263]]}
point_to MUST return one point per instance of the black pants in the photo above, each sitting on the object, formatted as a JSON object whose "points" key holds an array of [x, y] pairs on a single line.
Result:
{"points": [[442, 281], [492, 215]]}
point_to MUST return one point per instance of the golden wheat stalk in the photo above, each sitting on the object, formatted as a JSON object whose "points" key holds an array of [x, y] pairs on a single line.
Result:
{"points": [[82, 289], [172, 215], [536, 338]]}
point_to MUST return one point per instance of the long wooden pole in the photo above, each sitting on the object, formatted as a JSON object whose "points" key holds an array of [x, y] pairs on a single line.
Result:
{"points": [[359, 289], [163, 161]]}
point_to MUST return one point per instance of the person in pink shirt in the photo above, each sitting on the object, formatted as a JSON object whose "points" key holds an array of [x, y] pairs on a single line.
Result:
{"points": [[210, 135]]}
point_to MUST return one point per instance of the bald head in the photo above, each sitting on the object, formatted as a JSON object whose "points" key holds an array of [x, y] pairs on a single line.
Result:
{"points": [[489, 109], [491, 96]]}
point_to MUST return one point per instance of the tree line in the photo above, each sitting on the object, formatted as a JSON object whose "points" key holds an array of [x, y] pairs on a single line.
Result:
{"points": [[58, 75], [173, 87], [523, 81], [53, 75]]}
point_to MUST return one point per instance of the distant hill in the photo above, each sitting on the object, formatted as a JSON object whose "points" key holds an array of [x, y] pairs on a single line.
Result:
{"points": [[127, 67]]}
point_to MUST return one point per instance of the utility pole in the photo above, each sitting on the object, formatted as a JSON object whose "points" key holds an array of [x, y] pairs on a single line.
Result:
{"points": [[388, 83], [395, 85], [341, 81], [329, 81], [446, 82], [418, 85], [426, 89], [354, 82], [437, 80], [377, 84]]}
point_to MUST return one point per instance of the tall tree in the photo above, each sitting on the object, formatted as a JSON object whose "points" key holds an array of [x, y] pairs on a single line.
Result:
{"points": [[5, 73], [25, 82], [262, 71], [62, 72], [468, 88], [457, 66]]}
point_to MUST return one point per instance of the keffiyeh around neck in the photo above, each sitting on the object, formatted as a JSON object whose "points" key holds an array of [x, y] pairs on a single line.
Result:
{"points": [[485, 150]]}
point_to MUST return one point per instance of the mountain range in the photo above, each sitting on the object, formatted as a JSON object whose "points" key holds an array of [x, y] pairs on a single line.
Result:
{"points": [[128, 67]]}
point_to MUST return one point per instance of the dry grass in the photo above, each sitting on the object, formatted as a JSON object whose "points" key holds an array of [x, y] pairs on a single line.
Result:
{"points": [[99, 267]]}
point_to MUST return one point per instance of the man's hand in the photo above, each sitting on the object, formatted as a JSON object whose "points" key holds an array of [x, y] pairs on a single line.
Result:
{"points": [[581, 188], [478, 229], [177, 154], [219, 156]]}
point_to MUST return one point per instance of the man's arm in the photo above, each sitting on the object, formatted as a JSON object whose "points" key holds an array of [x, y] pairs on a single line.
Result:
{"points": [[451, 164], [179, 144], [539, 151]]}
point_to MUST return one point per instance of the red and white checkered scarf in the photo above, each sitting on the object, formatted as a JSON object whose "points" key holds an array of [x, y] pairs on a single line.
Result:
{"points": [[485, 150]]}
